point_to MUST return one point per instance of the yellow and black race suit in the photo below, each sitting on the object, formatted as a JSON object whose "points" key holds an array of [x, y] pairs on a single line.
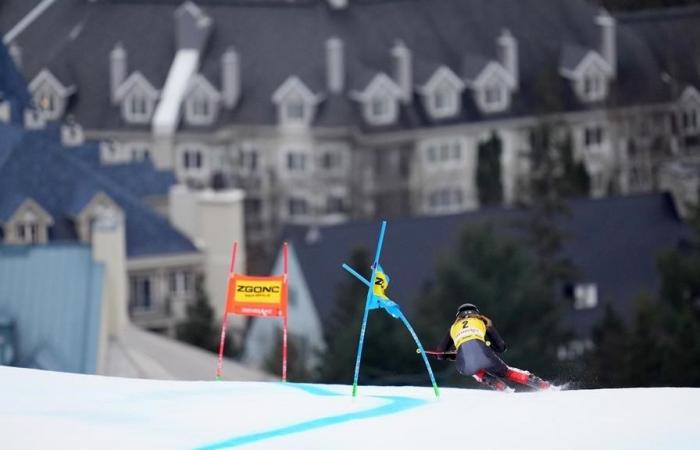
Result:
{"points": [[475, 339]]}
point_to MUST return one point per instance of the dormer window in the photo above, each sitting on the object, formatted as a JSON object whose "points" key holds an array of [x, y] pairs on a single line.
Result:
{"points": [[491, 82], [49, 95], [296, 103], [201, 102], [379, 100], [100, 206], [588, 72], [138, 98], [28, 225], [442, 93]]}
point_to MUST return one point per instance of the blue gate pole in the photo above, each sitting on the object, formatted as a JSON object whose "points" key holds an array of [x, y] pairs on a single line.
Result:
{"points": [[422, 353], [364, 318]]}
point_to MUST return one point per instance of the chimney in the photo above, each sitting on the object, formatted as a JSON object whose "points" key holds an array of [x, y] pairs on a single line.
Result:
{"points": [[230, 78], [608, 43], [16, 54], [117, 69], [403, 70], [338, 4], [109, 248], [335, 65], [508, 54]]}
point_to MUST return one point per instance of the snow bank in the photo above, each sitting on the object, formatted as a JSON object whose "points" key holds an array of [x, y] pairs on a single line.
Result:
{"points": [[58, 410]]}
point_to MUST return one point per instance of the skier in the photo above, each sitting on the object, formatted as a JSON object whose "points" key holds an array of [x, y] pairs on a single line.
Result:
{"points": [[475, 342]]}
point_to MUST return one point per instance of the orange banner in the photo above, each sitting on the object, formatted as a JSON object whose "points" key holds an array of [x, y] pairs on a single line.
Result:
{"points": [[256, 296]]}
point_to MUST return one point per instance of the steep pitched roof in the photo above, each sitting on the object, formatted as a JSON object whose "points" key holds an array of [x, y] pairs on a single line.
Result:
{"points": [[443, 31], [141, 178], [71, 180], [614, 242], [672, 35]]}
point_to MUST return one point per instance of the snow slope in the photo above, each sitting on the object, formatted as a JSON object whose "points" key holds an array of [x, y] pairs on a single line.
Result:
{"points": [[59, 410]]}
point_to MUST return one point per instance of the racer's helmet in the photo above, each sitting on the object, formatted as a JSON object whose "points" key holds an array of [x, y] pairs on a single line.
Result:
{"points": [[467, 308]]}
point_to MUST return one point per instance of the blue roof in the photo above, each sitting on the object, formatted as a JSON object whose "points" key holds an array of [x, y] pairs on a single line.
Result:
{"points": [[139, 177], [12, 85], [39, 168], [613, 243], [53, 293]]}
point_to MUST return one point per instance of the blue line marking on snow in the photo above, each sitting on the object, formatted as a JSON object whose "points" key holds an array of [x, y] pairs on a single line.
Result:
{"points": [[396, 404]]}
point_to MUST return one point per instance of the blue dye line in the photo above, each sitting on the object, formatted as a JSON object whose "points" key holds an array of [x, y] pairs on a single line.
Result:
{"points": [[396, 404]]}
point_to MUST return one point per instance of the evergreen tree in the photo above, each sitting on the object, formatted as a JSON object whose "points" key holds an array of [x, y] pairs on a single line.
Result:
{"points": [[552, 181], [606, 364], [497, 275], [297, 369], [488, 174], [199, 327]]}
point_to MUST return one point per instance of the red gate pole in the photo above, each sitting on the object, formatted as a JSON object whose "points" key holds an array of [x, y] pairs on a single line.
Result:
{"points": [[284, 313], [223, 325]]}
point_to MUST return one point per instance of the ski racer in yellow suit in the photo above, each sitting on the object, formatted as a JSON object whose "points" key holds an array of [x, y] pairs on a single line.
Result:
{"points": [[476, 342]]}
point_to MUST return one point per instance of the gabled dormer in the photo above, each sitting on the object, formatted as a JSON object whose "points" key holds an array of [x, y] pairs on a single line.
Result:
{"points": [[202, 102], [588, 71], [296, 103], [380, 100], [49, 94], [689, 111], [137, 98], [490, 82], [442, 93], [98, 206], [28, 224]]}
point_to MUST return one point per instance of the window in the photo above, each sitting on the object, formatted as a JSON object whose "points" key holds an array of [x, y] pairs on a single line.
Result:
{"points": [[296, 162], [379, 106], [180, 282], [139, 153], [593, 136], [444, 102], [444, 151], [137, 105], [192, 159], [493, 97], [27, 232], [689, 120], [294, 110], [47, 102], [593, 87], [585, 296], [380, 110], [335, 204], [200, 107], [140, 292], [297, 207], [331, 160], [445, 199], [249, 160]]}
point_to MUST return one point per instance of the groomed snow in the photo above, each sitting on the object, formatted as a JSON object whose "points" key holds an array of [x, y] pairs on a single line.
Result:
{"points": [[59, 410]]}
